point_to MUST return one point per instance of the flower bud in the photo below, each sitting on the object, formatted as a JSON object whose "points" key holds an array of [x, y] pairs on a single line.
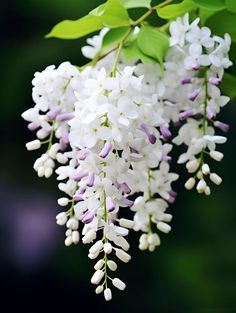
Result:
{"points": [[97, 277], [96, 247], [48, 172], [99, 289], [107, 248], [206, 169], [123, 256], [165, 228], [119, 284], [216, 179], [107, 294], [33, 145], [192, 165], [216, 155], [61, 218], [99, 264], [126, 223], [201, 186], [63, 201], [190, 183], [75, 237], [112, 265], [89, 237], [72, 223], [153, 239], [68, 241]]}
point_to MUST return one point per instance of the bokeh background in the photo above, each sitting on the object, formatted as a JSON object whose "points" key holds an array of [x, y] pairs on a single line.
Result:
{"points": [[194, 270]]}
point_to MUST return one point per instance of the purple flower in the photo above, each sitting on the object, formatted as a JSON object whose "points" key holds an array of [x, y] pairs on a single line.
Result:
{"points": [[186, 80], [52, 114], [64, 117], [32, 126], [210, 113], [184, 115], [223, 126], [110, 204], [91, 179], [165, 132], [215, 81], [87, 217], [151, 137]]}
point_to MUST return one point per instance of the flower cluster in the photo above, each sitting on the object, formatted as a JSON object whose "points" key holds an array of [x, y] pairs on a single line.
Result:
{"points": [[108, 137]]}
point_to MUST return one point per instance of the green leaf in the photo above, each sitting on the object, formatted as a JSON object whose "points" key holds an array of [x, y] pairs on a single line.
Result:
{"points": [[130, 4], [112, 38], [213, 5], [173, 10], [132, 51], [226, 24], [228, 85], [153, 43], [204, 14], [231, 5], [111, 14], [75, 29], [115, 14]]}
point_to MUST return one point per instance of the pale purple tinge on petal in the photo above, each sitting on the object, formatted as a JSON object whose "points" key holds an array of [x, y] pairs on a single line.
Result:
{"points": [[33, 126], [106, 150], [210, 113], [222, 126], [215, 81], [125, 188], [64, 117], [193, 95], [80, 175], [64, 141], [186, 114], [91, 179], [195, 66], [186, 80], [166, 133], [52, 114], [110, 204], [125, 202], [87, 217], [151, 137]]}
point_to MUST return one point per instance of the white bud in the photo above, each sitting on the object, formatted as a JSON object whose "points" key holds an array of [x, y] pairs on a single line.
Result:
{"points": [[107, 248], [41, 171], [119, 284], [122, 242], [143, 238], [126, 223], [190, 183], [199, 174], [49, 163], [154, 239], [89, 237], [206, 169], [112, 265], [122, 255], [192, 165], [201, 186], [63, 201], [97, 277], [53, 150], [99, 289], [165, 228], [41, 133], [107, 294], [69, 232], [68, 241], [216, 155], [151, 248], [48, 172], [216, 179], [61, 218], [61, 158], [75, 237], [93, 256], [99, 264], [33, 145], [207, 191], [37, 164], [167, 217], [96, 247], [72, 223], [143, 246]]}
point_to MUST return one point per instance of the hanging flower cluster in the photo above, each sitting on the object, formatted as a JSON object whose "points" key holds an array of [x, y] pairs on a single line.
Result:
{"points": [[107, 134]]}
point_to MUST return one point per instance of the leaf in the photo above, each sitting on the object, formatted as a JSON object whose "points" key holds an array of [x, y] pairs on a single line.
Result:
{"points": [[173, 10], [153, 43], [204, 14], [231, 5], [228, 85], [75, 29], [226, 25], [130, 4], [111, 14], [115, 14], [132, 51], [213, 5], [112, 38]]}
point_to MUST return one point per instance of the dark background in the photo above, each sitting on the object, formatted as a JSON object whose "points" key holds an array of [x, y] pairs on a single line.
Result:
{"points": [[194, 268]]}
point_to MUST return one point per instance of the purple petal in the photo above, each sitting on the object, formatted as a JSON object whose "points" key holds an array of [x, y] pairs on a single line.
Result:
{"points": [[195, 66], [87, 217], [64, 141], [210, 113], [165, 132], [64, 117], [186, 80], [193, 95], [52, 114], [106, 150], [223, 126], [126, 202], [110, 204], [91, 179], [80, 175], [124, 187], [32, 126], [184, 115], [215, 81]]}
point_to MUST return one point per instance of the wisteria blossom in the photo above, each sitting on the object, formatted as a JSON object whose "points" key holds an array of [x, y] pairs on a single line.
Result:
{"points": [[108, 136]]}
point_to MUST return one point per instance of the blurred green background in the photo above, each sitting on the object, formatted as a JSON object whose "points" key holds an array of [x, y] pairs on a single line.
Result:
{"points": [[194, 270]]}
